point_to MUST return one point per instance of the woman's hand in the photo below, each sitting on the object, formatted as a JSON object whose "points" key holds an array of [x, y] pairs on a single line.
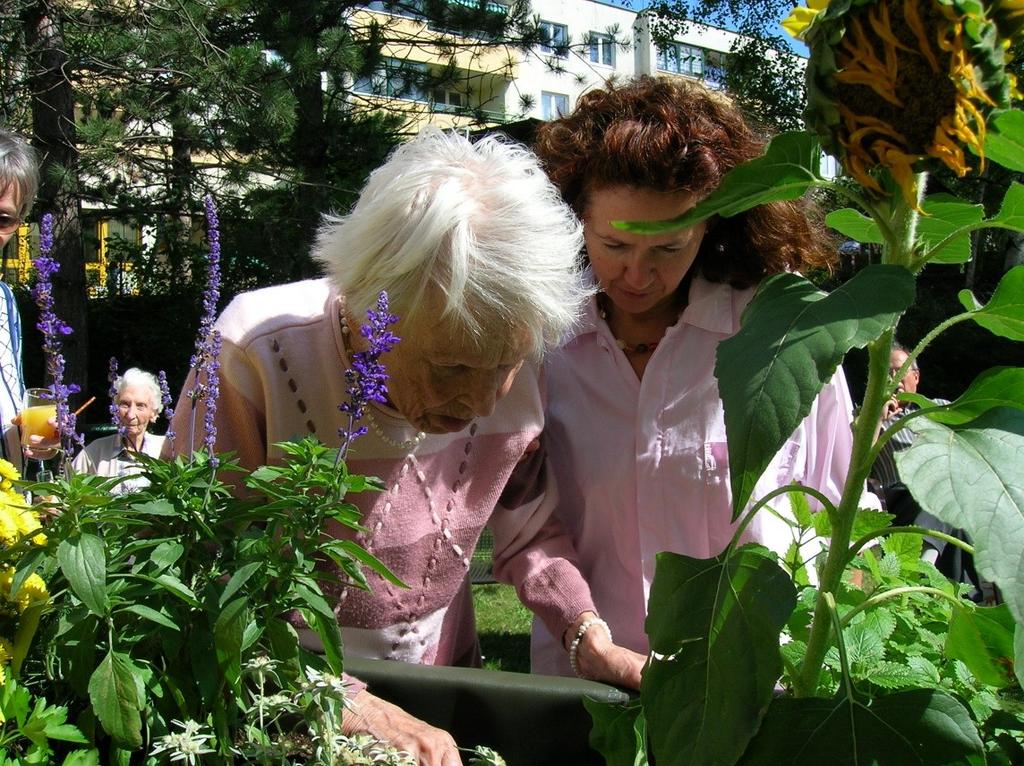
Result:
{"points": [[428, 745], [599, 659], [39, 447]]}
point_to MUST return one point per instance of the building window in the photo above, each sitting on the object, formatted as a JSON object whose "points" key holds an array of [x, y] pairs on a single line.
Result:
{"points": [[554, 38], [396, 79], [681, 59], [445, 100], [602, 49], [553, 105]]}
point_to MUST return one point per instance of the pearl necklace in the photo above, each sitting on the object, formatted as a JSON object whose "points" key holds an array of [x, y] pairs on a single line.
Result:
{"points": [[407, 445]]}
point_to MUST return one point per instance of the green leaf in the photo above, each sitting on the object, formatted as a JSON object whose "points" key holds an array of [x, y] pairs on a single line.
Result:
{"points": [[1011, 212], [83, 758], [792, 340], [970, 477], [920, 727], [1004, 313], [115, 701], [1004, 140], [789, 167], [166, 554], [238, 579], [65, 732], [228, 634], [83, 561], [173, 585], [618, 733], [152, 615], [982, 638], [158, 507], [855, 225], [997, 387], [714, 630], [357, 552], [1018, 653], [967, 300], [945, 216]]}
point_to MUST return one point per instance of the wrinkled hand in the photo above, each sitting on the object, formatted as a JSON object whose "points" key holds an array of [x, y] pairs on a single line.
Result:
{"points": [[891, 407], [39, 447], [601, 660], [427, 744]]}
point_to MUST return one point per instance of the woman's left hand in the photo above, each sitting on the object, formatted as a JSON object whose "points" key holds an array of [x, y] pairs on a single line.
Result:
{"points": [[601, 660]]}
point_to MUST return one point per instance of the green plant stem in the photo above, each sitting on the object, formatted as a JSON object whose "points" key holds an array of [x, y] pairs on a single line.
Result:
{"points": [[749, 515], [881, 597], [865, 204], [837, 624], [923, 531], [898, 249]]}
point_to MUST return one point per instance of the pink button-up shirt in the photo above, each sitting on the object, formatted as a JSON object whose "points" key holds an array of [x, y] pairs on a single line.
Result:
{"points": [[642, 465]]}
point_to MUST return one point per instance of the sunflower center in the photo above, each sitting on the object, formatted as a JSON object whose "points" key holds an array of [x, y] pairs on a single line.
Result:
{"points": [[892, 69]]}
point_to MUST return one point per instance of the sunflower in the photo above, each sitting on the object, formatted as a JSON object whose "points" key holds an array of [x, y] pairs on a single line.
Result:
{"points": [[900, 85]]}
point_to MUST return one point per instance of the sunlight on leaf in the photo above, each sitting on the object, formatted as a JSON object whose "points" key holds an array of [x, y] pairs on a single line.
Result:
{"points": [[793, 338], [789, 167], [714, 626], [970, 477], [855, 225], [995, 387], [1004, 313], [1005, 140], [945, 215], [982, 638], [115, 701]]}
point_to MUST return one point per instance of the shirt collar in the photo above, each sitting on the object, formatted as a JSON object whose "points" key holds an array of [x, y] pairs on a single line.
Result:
{"points": [[711, 306]]}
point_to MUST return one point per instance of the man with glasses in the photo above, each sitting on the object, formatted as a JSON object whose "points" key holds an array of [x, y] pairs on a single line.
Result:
{"points": [[19, 179]]}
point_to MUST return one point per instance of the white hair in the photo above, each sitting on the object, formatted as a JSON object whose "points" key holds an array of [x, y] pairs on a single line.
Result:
{"points": [[133, 376], [479, 224]]}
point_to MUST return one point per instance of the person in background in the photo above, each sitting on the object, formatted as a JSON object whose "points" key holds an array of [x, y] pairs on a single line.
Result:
{"points": [[636, 430], [451, 231], [19, 180], [951, 560], [138, 402]]}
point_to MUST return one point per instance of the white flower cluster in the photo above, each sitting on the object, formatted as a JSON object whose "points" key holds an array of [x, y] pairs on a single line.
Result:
{"points": [[186, 745]]}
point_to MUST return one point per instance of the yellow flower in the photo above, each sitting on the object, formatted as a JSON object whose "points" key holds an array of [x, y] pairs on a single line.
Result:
{"points": [[8, 471], [32, 591], [801, 17], [9, 531]]}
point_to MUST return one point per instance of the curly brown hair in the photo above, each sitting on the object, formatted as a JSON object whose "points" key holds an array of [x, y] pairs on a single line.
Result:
{"points": [[671, 134]]}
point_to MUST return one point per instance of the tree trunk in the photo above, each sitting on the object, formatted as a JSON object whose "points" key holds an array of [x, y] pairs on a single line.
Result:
{"points": [[54, 135]]}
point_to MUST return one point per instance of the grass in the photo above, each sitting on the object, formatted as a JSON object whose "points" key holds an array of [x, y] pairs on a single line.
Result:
{"points": [[504, 628]]}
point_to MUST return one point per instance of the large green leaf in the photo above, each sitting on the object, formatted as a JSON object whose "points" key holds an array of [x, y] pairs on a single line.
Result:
{"points": [[83, 560], [793, 338], [944, 216], [970, 477], [115, 700], [921, 727], [1004, 312], [238, 579], [982, 638], [619, 733], [997, 387], [855, 225], [789, 167], [1011, 213], [228, 633], [1004, 142], [1018, 653], [714, 630]]}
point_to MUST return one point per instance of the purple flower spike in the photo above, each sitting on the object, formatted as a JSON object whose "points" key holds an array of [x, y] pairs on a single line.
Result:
{"points": [[165, 398], [205, 361], [367, 379], [115, 414], [53, 328]]}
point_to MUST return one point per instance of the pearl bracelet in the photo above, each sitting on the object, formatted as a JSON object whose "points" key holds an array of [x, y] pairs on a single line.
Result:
{"points": [[574, 647]]}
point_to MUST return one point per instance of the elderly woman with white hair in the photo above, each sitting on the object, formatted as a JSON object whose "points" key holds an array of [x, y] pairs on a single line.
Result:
{"points": [[138, 402], [478, 255]]}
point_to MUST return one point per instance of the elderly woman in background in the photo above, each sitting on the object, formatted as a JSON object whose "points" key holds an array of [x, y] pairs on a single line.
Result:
{"points": [[138, 402], [636, 431], [19, 179], [478, 255]]}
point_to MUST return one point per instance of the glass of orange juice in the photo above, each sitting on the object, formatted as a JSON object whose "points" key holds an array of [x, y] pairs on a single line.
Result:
{"points": [[39, 409]]}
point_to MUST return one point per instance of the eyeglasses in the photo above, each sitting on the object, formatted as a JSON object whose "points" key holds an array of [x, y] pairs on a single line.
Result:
{"points": [[9, 224]]}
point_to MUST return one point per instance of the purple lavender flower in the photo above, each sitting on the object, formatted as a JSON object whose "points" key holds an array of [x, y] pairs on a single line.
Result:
{"points": [[165, 398], [367, 378], [52, 328], [115, 414], [204, 362]]}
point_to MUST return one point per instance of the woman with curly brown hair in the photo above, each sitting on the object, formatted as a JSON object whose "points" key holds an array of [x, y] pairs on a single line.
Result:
{"points": [[635, 426]]}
